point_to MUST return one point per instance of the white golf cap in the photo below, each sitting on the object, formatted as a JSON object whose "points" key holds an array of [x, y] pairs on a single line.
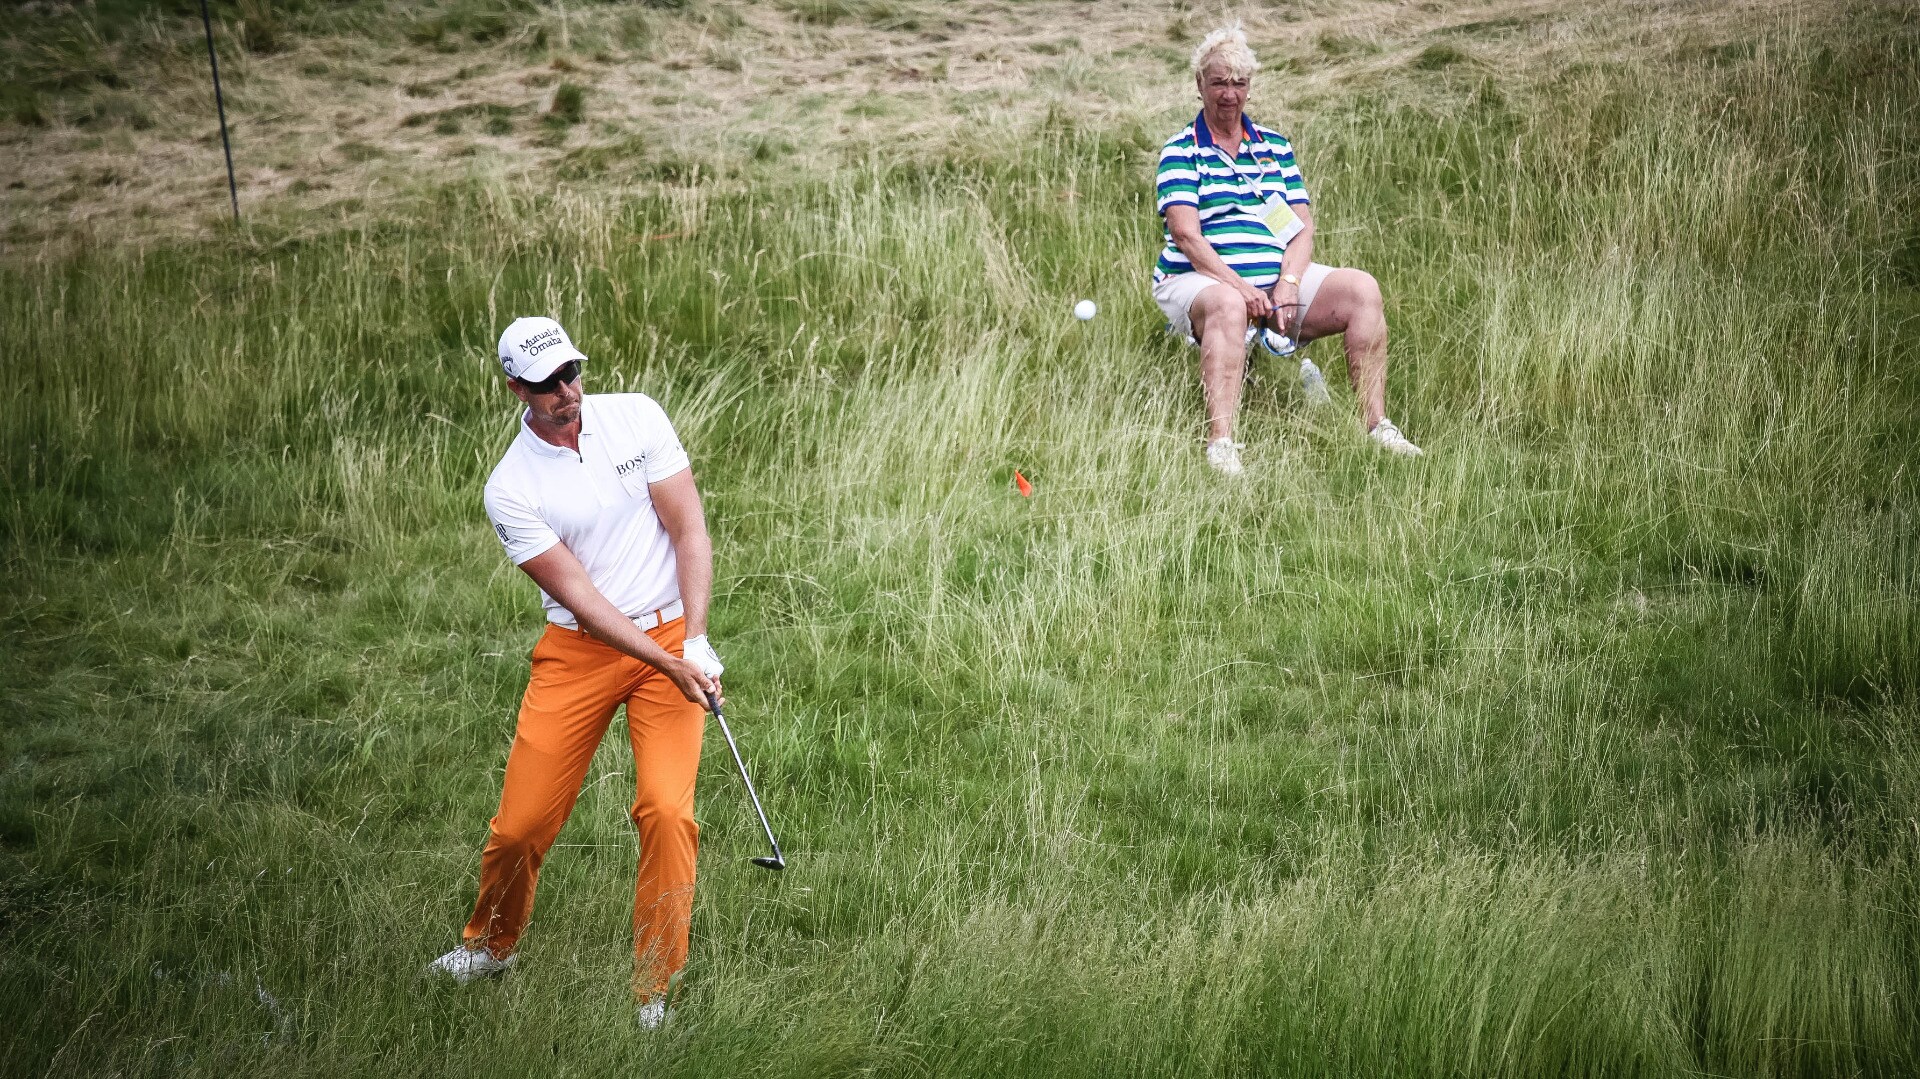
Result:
{"points": [[533, 348]]}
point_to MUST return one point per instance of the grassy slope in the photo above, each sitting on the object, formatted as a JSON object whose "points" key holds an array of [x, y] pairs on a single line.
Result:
{"points": [[1583, 746], [342, 107]]}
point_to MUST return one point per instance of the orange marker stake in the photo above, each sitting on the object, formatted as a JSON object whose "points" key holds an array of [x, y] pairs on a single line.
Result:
{"points": [[1026, 489]]}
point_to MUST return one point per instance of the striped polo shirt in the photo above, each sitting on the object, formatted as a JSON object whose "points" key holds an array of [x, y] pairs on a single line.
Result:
{"points": [[1229, 194]]}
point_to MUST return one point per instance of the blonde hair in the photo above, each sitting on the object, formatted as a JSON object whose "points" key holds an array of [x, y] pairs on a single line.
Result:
{"points": [[1226, 46]]}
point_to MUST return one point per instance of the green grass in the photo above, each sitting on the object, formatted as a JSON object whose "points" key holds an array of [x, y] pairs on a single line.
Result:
{"points": [[1585, 745]]}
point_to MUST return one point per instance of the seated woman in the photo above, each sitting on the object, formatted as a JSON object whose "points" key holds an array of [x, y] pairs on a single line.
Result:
{"points": [[1239, 253]]}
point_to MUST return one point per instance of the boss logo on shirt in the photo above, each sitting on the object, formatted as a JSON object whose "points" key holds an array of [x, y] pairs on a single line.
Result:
{"points": [[502, 529], [628, 466]]}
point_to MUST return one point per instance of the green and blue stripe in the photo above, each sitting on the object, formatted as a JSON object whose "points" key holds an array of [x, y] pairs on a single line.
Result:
{"points": [[1194, 171]]}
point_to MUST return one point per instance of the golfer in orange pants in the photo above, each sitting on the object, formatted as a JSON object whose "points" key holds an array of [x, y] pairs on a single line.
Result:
{"points": [[576, 685], [595, 501]]}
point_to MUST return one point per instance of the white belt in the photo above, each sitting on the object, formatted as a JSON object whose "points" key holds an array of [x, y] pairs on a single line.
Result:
{"points": [[662, 616]]}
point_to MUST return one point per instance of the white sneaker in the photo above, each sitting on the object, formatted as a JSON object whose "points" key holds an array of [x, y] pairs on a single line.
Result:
{"points": [[652, 1015], [1392, 440], [464, 964], [1314, 384], [1224, 455]]}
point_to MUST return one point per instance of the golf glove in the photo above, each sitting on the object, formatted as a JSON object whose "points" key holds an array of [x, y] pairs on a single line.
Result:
{"points": [[701, 654]]}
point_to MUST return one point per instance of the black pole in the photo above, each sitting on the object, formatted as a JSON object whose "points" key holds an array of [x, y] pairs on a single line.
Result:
{"points": [[233, 189]]}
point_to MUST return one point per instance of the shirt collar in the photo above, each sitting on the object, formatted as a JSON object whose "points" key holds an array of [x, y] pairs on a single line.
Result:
{"points": [[547, 449], [1204, 138]]}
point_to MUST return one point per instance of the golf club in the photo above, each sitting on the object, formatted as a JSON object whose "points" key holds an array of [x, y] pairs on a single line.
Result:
{"points": [[776, 862]]}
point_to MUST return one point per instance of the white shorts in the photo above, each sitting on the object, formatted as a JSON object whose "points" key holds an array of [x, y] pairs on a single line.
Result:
{"points": [[1176, 293]]}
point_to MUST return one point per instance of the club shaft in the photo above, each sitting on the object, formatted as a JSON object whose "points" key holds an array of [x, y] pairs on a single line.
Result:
{"points": [[745, 778]]}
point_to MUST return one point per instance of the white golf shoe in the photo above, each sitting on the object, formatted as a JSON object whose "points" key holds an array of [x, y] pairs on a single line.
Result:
{"points": [[1391, 440], [1314, 384], [652, 1015], [1224, 455], [464, 964]]}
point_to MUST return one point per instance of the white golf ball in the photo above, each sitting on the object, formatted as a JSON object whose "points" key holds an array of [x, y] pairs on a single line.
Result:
{"points": [[1084, 310]]}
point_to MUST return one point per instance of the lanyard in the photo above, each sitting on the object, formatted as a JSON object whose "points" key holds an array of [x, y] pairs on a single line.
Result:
{"points": [[1260, 185]]}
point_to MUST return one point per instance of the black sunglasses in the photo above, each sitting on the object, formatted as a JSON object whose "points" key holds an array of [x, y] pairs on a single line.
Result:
{"points": [[566, 372]]}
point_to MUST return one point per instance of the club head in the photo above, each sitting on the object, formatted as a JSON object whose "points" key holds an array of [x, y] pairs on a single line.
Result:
{"points": [[775, 863]]}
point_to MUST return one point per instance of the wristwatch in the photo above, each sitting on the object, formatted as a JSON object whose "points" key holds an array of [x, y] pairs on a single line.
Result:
{"points": [[1290, 279]]}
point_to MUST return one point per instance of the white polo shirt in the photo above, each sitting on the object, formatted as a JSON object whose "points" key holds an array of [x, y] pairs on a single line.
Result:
{"points": [[596, 501]]}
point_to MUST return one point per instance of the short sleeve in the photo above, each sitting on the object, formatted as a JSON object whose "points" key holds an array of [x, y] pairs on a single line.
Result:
{"points": [[1178, 179], [522, 532], [1293, 184], [664, 454]]}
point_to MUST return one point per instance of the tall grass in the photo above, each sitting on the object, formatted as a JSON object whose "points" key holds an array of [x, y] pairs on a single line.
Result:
{"points": [[1583, 746]]}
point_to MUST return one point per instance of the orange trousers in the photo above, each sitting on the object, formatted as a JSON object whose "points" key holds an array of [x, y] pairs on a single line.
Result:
{"points": [[576, 684]]}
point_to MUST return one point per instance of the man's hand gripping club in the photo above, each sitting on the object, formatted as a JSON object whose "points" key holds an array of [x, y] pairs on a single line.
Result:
{"points": [[561, 576], [699, 652]]}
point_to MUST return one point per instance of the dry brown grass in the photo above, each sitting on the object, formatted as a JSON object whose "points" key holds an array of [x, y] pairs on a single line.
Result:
{"points": [[334, 125]]}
